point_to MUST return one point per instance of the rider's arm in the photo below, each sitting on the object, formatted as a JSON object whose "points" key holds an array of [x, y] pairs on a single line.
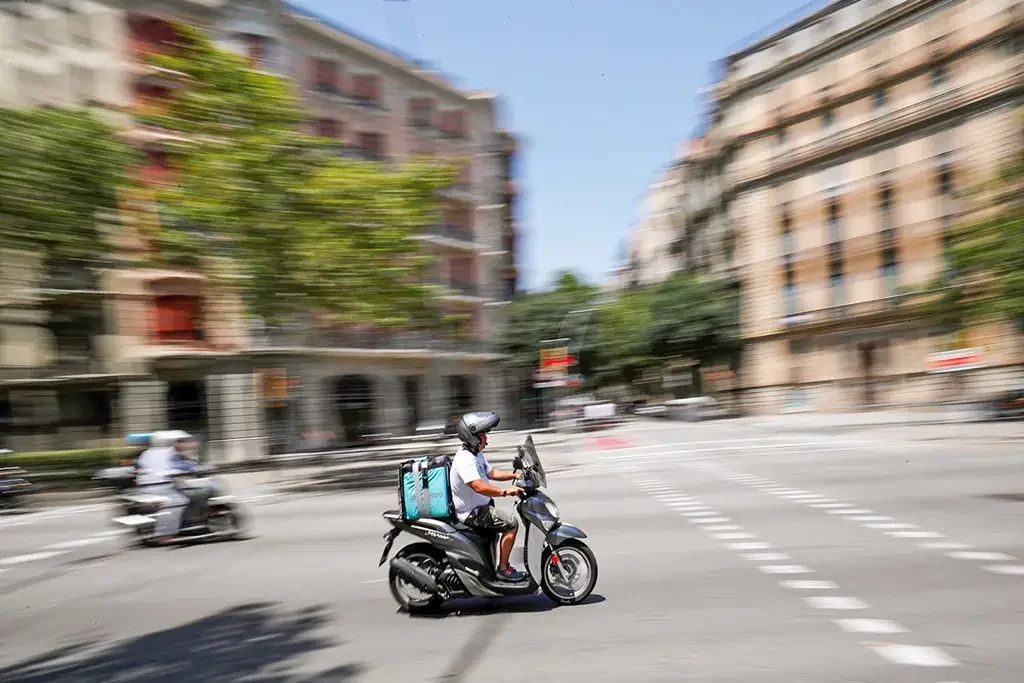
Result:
{"points": [[502, 475], [486, 489]]}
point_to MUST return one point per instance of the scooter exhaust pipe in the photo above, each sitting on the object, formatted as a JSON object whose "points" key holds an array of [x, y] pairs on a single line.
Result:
{"points": [[414, 575]]}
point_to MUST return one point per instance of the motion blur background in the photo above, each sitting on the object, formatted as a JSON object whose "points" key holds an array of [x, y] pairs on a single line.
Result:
{"points": [[833, 238]]}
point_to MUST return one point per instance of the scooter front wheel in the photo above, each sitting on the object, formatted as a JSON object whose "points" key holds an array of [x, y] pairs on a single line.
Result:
{"points": [[569, 577]]}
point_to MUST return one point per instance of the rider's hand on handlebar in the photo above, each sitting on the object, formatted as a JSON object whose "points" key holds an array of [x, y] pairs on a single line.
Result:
{"points": [[513, 491]]}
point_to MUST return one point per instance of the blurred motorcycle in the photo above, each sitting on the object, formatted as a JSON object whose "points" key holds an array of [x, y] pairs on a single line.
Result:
{"points": [[14, 487], [211, 514]]}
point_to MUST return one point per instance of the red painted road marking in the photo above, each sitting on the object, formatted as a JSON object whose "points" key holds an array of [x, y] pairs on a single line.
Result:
{"points": [[611, 443]]}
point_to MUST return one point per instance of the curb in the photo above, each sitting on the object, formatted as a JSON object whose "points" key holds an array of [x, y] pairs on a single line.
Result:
{"points": [[381, 476]]}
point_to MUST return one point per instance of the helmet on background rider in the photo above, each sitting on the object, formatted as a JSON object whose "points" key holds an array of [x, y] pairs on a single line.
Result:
{"points": [[472, 425]]}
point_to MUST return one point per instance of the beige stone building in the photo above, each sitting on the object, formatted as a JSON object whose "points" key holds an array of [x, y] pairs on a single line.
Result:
{"points": [[137, 349], [653, 247], [845, 139]]}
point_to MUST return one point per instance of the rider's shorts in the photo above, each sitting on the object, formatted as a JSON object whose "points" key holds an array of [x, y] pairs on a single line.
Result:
{"points": [[490, 517]]}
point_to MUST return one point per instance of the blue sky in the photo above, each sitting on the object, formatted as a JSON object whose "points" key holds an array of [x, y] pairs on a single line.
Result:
{"points": [[600, 90]]}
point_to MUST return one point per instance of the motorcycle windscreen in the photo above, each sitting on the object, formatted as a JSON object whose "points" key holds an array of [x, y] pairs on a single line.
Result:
{"points": [[532, 460]]}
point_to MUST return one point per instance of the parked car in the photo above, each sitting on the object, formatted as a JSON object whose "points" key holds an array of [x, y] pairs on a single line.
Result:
{"points": [[1008, 405], [695, 409]]}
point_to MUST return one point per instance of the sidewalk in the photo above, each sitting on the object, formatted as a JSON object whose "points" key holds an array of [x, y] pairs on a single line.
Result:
{"points": [[346, 470], [942, 422]]}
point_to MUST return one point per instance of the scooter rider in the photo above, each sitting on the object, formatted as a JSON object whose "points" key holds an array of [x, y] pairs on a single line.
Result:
{"points": [[473, 494], [164, 460]]}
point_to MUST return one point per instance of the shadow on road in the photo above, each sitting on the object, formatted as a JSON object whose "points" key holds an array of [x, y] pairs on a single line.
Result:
{"points": [[254, 642], [479, 607]]}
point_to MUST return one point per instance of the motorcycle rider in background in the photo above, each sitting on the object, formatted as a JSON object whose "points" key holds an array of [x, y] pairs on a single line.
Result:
{"points": [[158, 466]]}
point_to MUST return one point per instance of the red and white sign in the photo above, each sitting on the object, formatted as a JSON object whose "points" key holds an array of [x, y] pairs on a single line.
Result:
{"points": [[957, 359]]}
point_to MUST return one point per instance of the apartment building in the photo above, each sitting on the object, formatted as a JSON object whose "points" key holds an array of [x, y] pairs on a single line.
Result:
{"points": [[172, 348], [845, 138], [654, 248]]}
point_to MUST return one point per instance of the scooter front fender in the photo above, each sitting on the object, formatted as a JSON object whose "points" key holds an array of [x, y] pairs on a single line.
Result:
{"points": [[562, 533]]}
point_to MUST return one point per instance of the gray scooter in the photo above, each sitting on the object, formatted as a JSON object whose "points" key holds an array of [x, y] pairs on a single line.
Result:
{"points": [[457, 561]]}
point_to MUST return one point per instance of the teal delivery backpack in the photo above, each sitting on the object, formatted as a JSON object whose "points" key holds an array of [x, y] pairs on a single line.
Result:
{"points": [[423, 488]]}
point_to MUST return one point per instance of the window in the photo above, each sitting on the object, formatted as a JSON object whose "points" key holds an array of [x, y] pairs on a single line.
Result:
{"points": [[256, 48], [885, 206], [372, 145], [835, 282], [789, 291], [828, 119], [366, 88], [327, 128], [326, 75], [939, 76], [453, 124], [421, 113], [945, 179], [834, 228], [177, 319], [890, 267], [878, 100]]}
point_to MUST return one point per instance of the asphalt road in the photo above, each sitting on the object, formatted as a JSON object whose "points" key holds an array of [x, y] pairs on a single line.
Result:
{"points": [[727, 553]]}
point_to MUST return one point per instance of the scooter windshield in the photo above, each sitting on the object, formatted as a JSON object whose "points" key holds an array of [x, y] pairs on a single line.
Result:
{"points": [[532, 460]]}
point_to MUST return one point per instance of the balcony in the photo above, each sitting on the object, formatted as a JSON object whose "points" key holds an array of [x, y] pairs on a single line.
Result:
{"points": [[883, 310], [61, 370], [460, 190], [450, 235], [333, 93], [934, 108], [296, 337]]}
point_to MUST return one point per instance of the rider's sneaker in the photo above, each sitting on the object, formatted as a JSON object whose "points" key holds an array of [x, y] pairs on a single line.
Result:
{"points": [[510, 574]]}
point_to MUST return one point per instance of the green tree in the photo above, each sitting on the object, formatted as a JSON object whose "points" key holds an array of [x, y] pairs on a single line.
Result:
{"points": [[985, 278], [624, 333], [60, 172], [693, 319], [536, 316], [300, 227]]}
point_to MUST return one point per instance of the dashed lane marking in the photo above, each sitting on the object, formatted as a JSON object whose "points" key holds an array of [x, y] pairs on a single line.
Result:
{"points": [[980, 556], [869, 626], [893, 652], [807, 585], [916, 655], [785, 569], [835, 602], [1012, 569], [30, 557]]}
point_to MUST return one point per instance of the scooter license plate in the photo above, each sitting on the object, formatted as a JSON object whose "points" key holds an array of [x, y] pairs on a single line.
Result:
{"points": [[133, 520], [390, 538]]}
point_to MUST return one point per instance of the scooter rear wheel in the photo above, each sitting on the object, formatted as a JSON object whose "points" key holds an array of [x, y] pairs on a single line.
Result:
{"points": [[412, 599]]}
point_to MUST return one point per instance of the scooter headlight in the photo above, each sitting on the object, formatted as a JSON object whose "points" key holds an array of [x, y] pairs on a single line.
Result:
{"points": [[552, 509]]}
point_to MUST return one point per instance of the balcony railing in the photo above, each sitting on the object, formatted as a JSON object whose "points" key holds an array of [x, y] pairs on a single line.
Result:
{"points": [[916, 114], [60, 369], [378, 340], [449, 231], [464, 288], [858, 310]]}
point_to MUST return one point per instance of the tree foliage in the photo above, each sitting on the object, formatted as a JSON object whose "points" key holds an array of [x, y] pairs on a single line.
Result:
{"points": [[536, 316], [301, 227], [986, 279], [629, 338], [60, 172]]}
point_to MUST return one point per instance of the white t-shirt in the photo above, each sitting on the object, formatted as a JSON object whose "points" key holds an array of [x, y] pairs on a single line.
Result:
{"points": [[467, 467]]}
